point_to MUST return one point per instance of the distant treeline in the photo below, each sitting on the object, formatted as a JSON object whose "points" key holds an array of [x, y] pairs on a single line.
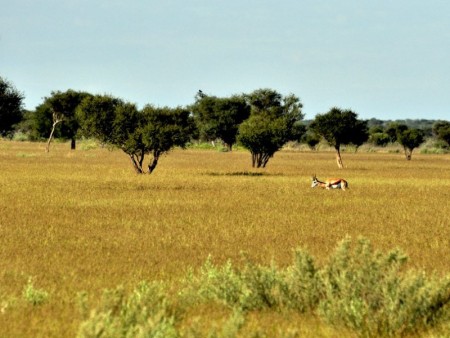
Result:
{"points": [[262, 121], [424, 124]]}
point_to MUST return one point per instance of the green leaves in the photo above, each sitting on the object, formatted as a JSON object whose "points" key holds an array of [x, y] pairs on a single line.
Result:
{"points": [[219, 118], [358, 287], [442, 130], [97, 115], [34, 296], [165, 128], [274, 120], [10, 106], [339, 127], [410, 139]]}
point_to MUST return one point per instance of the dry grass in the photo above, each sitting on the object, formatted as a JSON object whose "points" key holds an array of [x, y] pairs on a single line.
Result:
{"points": [[83, 220]]}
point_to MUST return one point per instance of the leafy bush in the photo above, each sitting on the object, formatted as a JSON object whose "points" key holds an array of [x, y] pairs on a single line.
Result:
{"points": [[367, 291], [20, 136], [358, 287], [147, 312], [302, 283]]}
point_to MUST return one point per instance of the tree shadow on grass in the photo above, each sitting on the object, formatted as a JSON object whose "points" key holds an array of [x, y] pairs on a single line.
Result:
{"points": [[240, 173]]}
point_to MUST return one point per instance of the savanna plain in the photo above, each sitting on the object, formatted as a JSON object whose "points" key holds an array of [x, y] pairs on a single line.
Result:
{"points": [[79, 222]]}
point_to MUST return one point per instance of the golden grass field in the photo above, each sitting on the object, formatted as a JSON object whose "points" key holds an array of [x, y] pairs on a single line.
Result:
{"points": [[82, 220]]}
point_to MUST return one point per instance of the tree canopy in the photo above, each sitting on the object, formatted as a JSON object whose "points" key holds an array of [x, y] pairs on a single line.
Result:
{"points": [[219, 118], [274, 120], [394, 129], [339, 127], [410, 139], [442, 131], [11, 110]]}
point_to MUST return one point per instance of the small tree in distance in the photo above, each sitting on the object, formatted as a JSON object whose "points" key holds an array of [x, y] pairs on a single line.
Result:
{"points": [[163, 129], [274, 120], [339, 127], [410, 139]]}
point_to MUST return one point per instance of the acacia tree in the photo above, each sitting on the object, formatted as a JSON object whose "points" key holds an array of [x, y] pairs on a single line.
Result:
{"points": [[410, 139], [152, 131], [274, 120], [339, 127], [219, 118], [11, 111], [165, 128]]}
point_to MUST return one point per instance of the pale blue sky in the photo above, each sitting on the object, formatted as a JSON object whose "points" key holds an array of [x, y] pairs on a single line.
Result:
{"points": [[382, 59]]}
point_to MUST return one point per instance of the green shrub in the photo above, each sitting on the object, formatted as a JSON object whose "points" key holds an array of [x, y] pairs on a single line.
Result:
{"points": [[358, 287], [147, 312], [301, 287], [20, 137], [251, 288], [368, 292]]}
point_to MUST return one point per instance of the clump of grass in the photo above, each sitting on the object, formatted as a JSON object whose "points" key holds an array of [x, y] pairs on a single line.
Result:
{"points": [[25, 155], [33, 295], [88, 144]]}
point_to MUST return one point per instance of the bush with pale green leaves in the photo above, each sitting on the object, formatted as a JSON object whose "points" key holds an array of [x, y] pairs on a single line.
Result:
{"points": [[358, 287]]}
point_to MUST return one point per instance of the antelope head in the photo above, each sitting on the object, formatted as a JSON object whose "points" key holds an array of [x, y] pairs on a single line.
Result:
{"points": [[315, 182]]}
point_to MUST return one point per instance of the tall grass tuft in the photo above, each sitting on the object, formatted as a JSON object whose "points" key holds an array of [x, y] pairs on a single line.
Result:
{"points": [[33, 295]]}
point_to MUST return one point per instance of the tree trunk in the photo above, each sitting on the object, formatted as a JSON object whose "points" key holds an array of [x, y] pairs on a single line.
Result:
{"points": [[137, 160], [338, 158], [57, 118], [253, 160], [47, 148], [154, 163], [135, 163], [408, 154], [265, 158], [73, 143]]}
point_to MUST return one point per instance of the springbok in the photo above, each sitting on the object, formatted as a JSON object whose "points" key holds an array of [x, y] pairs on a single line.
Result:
{"points": [[331, 183]]}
